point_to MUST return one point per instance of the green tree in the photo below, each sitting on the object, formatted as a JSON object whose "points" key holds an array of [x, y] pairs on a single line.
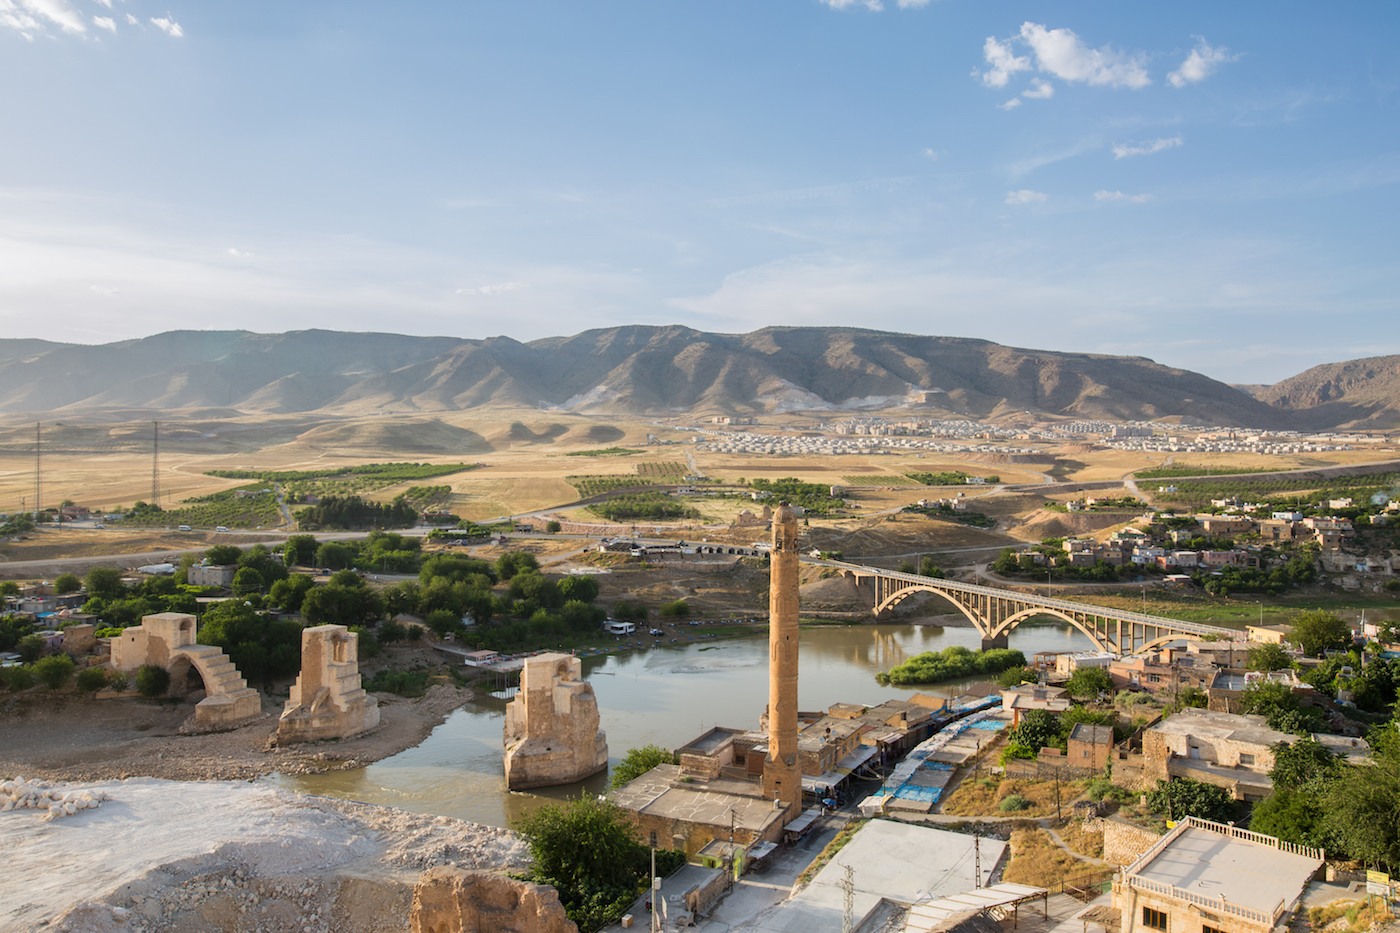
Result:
{"points": [[17, 678], [247, 580], [514, 562], [674, 610], [1268, 657], [67, 583], [54, 671], [221, 555], [552, 527], [1018, 675], [152, 681], [1087, 683], [1293, 815], [31, 648], [927, 568], [1314, 631], [288, 594], [1038, 729], [582, 587], [1183, 797], [1303, 762], [300, 551], [91, 679], [335, 555], [639, 761], [1280, 708], [9, 588], [104, 583], [1361, 812]]}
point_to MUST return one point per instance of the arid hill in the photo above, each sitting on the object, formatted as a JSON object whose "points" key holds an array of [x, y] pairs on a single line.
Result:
{"points": [[630, 370], [1361, 394]]}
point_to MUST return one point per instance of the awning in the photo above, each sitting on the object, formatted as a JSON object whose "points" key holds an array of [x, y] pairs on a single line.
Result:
{"points": [[803, 822], [928, 915]]}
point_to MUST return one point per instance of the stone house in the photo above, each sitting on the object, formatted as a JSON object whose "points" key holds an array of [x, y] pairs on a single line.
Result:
{"points": [[1228, 750], [1205, 877], [671, 812], [1089, 746]]}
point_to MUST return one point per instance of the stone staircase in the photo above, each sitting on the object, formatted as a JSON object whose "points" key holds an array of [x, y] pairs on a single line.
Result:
{"points": [[228, 698]]}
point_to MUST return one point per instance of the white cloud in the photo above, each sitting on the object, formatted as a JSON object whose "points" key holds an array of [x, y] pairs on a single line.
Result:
{"points": [[1011, 104], [1120, 196], [168, 26], [1200, 64], [1124, 150], [1039, 89], [491, 289], [239, 254], [106, 3], [132, 21], [874, 6], [932, 154], [911, 4], [1003, 61], [35, 16], [1026, 196], [105, 290], [105, 22], [1061, 53]]}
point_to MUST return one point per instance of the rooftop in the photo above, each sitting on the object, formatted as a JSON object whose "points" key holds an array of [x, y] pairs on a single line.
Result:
{"points": [[1095, 735], [660, 793], [1211, 724], [1215, 862]]}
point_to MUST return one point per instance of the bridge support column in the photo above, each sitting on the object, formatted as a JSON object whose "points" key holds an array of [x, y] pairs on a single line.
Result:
{"points": [[997, 642]]}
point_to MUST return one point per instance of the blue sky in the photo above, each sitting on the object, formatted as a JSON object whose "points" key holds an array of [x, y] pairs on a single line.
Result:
{"points": [[1210, 185]]}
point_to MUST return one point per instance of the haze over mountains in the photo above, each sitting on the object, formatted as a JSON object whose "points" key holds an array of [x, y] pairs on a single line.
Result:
{"points": [[666, 370]]}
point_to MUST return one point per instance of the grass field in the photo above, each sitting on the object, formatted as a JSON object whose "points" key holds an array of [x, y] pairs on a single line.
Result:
{"points": [[879, 479]]}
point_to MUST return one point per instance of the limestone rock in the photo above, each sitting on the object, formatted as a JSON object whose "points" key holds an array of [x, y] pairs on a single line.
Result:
{"points": [[453, 900], [327, 701]]}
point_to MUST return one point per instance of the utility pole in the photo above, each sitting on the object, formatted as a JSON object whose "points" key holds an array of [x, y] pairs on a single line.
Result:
{"points": [[848, 898], [38, 436], [155, 464], [976, 862]]}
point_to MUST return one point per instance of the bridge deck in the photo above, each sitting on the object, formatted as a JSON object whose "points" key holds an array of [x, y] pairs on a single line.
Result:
{"points": [[1049, 602]]}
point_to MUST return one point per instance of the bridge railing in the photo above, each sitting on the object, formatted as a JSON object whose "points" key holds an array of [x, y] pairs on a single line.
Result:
{"points": [[1049, 602]]}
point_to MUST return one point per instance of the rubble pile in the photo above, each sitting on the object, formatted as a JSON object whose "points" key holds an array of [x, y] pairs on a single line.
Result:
{"points": [[42, 795]]}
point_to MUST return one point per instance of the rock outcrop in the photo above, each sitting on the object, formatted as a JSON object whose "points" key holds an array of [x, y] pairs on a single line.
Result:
{"points": [[454, 900], [551, 729]]}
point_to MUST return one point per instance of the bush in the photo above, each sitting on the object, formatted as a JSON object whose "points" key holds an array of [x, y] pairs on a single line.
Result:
{"points": [[1184, 797], [31, 648], [404, 683], [552, 527], [118, 681], [676, 610], [1088, 682], [54, 671], [1013, 802], [67, 583], [18, 678], [639, 761], [91, 679], [152, 681]]}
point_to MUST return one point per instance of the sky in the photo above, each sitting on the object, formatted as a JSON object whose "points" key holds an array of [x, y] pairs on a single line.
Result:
{"points": [[1213, 186]]}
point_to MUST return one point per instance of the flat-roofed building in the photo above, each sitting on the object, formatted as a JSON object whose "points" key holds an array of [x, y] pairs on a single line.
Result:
{"points": [[1224, 749], [1205, 877], [1089, 746]]}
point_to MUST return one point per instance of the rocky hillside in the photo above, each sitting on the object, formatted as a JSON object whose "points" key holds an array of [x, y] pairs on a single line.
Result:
{"points": [[1363, 394], [631, 370]]}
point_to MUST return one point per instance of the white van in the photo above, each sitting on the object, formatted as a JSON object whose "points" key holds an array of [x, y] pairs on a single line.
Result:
{"points": [[221, 528], [183, 528]]}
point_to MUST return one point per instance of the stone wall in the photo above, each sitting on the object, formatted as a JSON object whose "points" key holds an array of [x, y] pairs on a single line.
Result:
{"points": [[79, 639], [454, 900], [702, 897], [1122, 843]]}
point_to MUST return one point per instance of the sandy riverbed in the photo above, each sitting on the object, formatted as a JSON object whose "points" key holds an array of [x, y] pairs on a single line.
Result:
{"points": [[73, 738]]}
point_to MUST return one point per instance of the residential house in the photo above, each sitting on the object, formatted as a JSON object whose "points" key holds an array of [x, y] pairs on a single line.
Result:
{"points": [[1227, 750], [1033, 696], [1089, 746], [1226, 689]]}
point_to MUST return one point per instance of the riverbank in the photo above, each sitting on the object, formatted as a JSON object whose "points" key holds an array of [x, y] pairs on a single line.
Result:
{"points": [[68, 737]]}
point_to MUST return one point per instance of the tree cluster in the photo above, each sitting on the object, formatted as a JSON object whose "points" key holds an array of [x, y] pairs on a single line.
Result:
{"points": [[951, 664], [353, 513]]}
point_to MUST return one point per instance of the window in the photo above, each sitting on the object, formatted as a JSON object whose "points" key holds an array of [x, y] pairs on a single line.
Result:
{"points": [[1246, 759], [1154, 919], [1206, 929], [1154, 678]]}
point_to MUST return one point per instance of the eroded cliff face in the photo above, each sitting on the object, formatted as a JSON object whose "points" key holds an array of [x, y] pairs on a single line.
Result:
{"points": [[551, 729], [454, 900]]}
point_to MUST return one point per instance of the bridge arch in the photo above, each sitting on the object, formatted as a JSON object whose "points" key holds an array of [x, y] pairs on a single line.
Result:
{"points": [[895, 599], [1012, 622]]}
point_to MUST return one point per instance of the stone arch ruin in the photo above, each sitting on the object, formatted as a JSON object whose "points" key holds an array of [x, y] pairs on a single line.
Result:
{"points": [[167, 639], [551, 730]]}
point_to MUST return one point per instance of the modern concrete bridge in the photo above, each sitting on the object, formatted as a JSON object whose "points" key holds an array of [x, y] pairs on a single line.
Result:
{"points": [[995, 612]]}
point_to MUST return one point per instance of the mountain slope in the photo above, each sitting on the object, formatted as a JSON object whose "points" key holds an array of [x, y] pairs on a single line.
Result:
{"points": [[1361, 394], [633, 369]]}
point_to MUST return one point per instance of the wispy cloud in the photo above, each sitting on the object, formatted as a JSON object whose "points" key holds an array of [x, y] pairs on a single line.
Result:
{"points": [[1026, 196], [1061, 53], [500, 289], [239, 254], [1039, 89], [1120, 196], [872, 5], [1125, 150], [168, 26], [911, 4], [105, 290], [34, 17], [1003, 61], [1031, 163], [132, 21], [105, 22], [1200, 64], [932, 154], [1011, 104]]}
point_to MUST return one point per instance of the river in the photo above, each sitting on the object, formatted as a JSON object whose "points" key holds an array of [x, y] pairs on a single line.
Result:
{"points": [[664, 696]]}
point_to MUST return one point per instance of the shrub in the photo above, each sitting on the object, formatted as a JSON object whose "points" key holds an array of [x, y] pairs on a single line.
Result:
{"points": [[18, 678], [676, 610], [639, 761], [552, 527], [67, 583], [54, 671], [152, 681], [1013, 802], [92, 679], [118, 681]]}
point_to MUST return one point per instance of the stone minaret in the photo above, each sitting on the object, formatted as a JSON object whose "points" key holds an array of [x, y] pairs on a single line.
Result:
{"points": [[782, 775]]}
